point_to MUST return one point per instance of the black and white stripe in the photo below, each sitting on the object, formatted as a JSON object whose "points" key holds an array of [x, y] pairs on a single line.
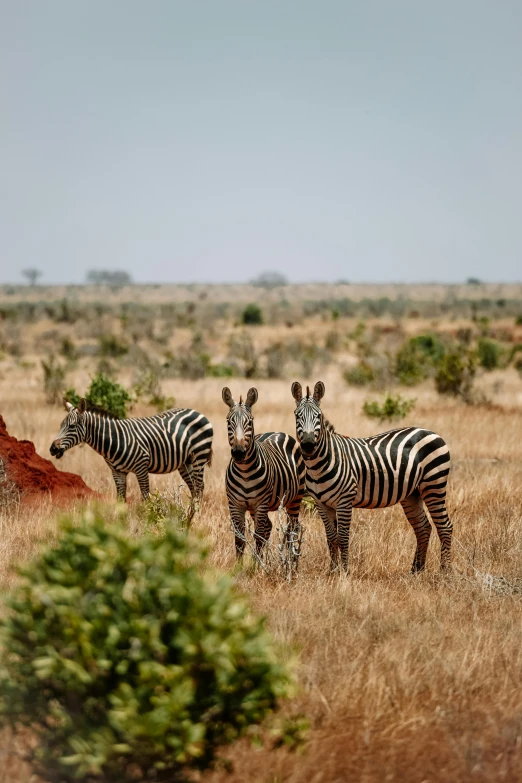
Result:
{"points": [[264, 471], [409, 466], [178, 439]]}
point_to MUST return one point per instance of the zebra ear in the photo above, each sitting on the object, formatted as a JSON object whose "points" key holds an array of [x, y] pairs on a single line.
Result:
{"points": [[251, 397], [226, 395], [82, 405], [297, 391], [67, 405], [319, 391]]}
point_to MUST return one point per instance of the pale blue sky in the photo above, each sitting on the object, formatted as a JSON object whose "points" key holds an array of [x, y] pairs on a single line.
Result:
{"points": [[209, 141]]}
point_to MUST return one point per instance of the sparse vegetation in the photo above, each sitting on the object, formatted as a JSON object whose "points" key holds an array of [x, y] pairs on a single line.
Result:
{"points": [[414, 676], [54, 379]]}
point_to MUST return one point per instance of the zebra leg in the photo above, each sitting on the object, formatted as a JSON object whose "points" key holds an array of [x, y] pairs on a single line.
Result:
{"points": [[262, 527], [330, 526], [344, 521], [142, 474], [416, 516], [237, 516], [187, 474], [293, 530], [120, 479], [435, 499]]}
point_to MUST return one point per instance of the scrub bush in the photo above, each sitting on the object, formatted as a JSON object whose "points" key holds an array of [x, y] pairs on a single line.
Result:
{"points": [[127, 663]]}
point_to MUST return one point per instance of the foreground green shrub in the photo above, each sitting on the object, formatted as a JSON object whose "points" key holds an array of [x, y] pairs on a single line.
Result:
{"points": [[104, 393], [126, 663], [391, 408]]}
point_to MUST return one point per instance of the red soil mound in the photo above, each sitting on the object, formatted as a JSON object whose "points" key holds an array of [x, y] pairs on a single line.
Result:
{"points": [[36, 477]]}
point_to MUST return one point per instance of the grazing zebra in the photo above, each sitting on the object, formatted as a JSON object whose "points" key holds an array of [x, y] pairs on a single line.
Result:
{"points": [[409, 466], [264, 471], [178, 439]]}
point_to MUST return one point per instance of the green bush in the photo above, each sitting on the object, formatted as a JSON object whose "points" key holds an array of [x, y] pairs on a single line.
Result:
{"points": [[252, 315], [360, 375], [456, 374], [416, 358], [489, 353], [104, 393], [410, 365], [128, 662], [518, 320], [391, 408], [430, 345]]}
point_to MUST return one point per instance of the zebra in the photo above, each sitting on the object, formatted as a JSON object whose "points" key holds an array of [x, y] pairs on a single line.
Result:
{"points": [[177, 439], [264, 471], [409, 466]]}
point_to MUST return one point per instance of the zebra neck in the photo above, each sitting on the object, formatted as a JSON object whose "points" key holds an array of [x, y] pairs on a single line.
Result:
{"points": [[99, 431], [251, 457], [324, 447]]}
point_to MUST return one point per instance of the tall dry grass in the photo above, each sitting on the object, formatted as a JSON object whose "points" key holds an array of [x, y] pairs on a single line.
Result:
{"points": [[402, 678]]}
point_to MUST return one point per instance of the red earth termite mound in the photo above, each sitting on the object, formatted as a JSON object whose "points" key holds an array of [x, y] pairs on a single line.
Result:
{"points": [[36, 477]]}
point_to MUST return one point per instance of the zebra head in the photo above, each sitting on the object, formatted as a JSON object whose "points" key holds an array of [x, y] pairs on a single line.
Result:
{"points": [[240, 423], [308, 416], [72, 430]]}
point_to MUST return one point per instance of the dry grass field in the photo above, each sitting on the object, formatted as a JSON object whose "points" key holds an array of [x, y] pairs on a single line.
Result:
{"points": [[403, 678]]}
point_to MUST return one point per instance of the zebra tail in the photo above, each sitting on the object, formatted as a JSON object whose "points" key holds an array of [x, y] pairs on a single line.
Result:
{"points": [[209, 460]]}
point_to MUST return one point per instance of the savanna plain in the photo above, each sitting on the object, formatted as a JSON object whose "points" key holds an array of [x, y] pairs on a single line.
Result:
{"points": [[401, 677]]}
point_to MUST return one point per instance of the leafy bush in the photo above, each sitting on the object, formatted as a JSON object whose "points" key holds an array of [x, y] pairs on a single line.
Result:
{"points": [[104, 393], [416, 358], [360, 375], [489, 353], [54, 379], [518, 320], [127, 662], [410, 364], [456, 373], [252, 315], [392, 407], [430, 345]]}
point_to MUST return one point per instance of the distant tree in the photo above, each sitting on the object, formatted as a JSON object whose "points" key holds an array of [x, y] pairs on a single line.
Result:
{"points": [[32, 275], [113, 278], [473, 281], [270, 280]]}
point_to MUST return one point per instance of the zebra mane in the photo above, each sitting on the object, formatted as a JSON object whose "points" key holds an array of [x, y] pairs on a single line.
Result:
{"points": [[329, 427], [101, 411]]}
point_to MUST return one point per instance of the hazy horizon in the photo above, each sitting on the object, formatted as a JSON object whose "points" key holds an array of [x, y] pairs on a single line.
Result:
{"points": [[211, 142]]}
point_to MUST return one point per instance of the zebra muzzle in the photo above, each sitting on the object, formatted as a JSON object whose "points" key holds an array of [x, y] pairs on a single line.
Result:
{"points": [[56, 451], [238, 454]]}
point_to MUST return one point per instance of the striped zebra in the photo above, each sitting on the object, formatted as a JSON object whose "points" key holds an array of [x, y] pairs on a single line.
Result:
{"points": [[178, 439], [409, 466], [264, 471]]}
